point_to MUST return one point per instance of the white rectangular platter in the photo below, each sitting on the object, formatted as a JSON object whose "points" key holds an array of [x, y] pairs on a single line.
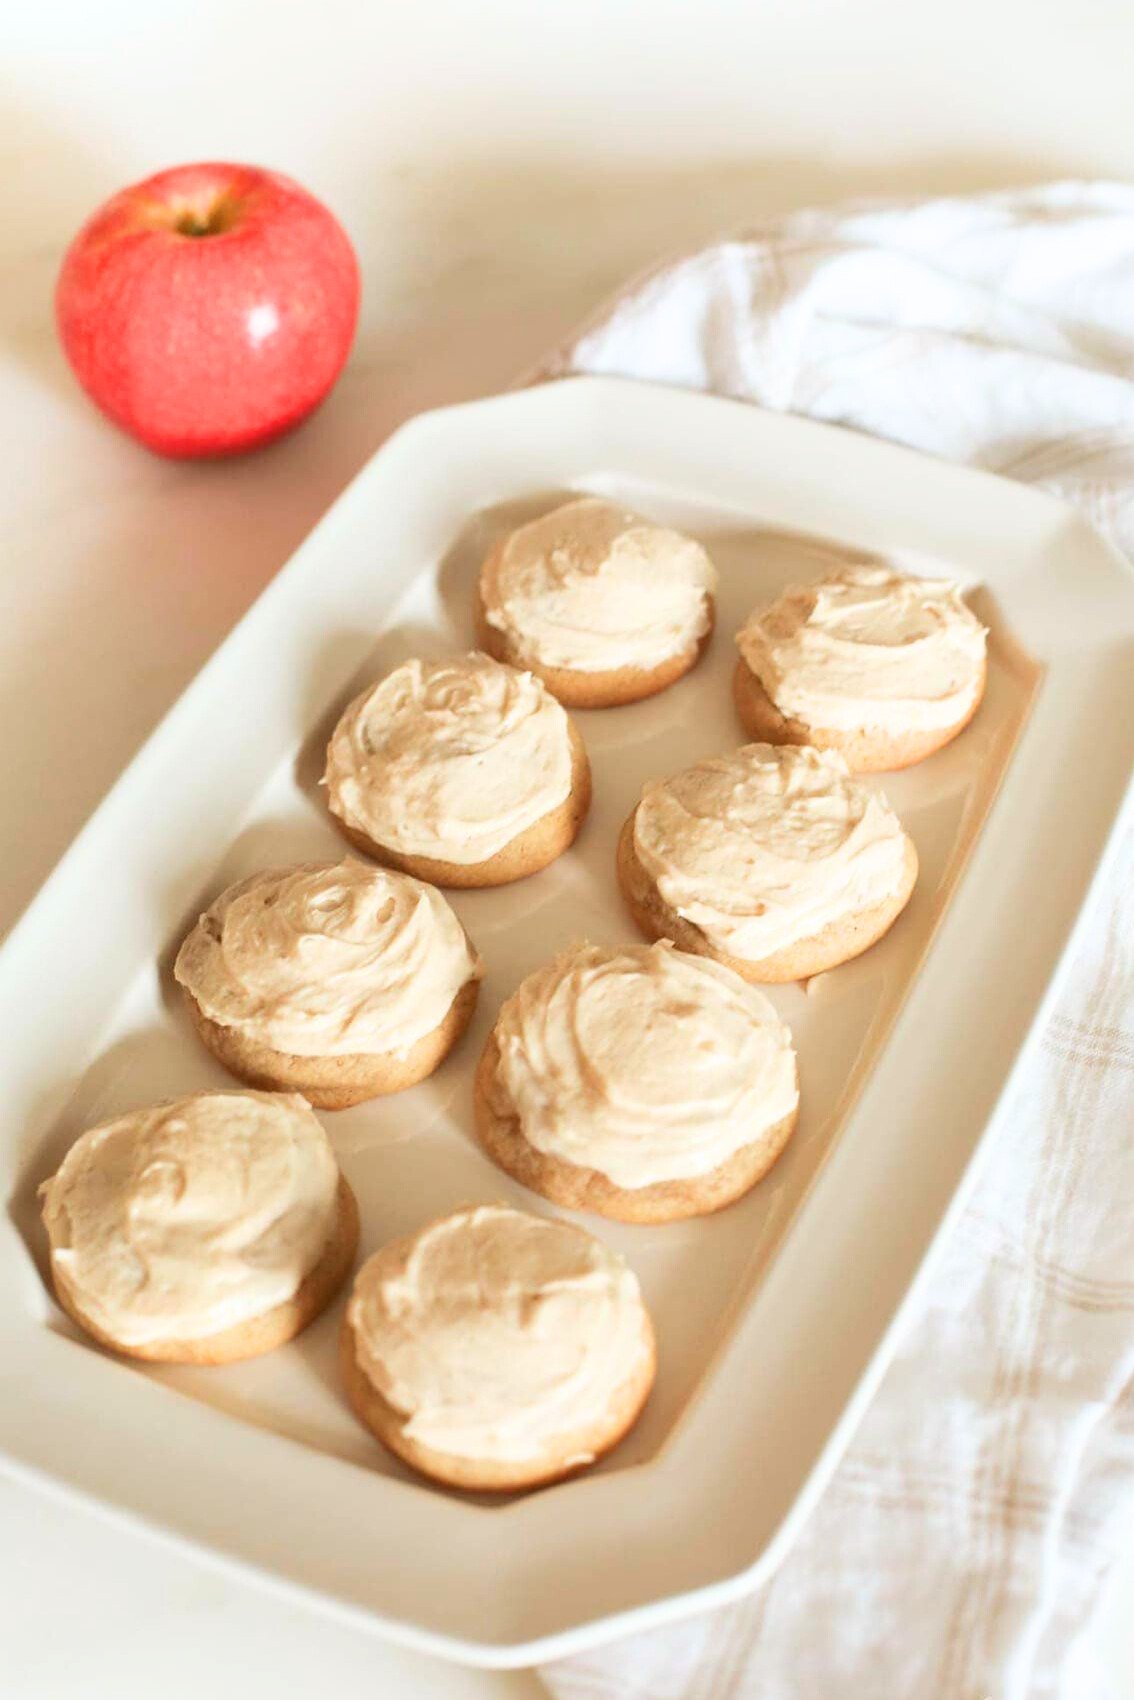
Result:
{"points": [[774, 1319]]}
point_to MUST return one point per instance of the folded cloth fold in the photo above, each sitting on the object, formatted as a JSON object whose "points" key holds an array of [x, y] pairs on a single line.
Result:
{"points": [[960, 1548]]}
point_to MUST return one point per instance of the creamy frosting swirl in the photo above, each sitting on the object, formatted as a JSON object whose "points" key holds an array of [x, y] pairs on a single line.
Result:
{"points": [[450, 759], [182, 1220], [494, 1333], [868, 647], [768, 845], [328, 959], [593, 588], [645, 1063]]}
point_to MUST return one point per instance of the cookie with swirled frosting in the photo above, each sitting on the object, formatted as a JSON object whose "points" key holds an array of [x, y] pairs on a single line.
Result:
{"points": [[643, 1083], [339, 980], [603, 605], [877, 663], [496, 1350], [200, 1230], [464, 772], [771, 859]]}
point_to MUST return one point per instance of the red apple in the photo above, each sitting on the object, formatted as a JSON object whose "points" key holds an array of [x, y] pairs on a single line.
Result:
{"points": [[208, 308]]}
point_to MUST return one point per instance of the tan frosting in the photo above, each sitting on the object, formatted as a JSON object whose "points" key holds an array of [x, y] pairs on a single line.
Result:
{"points": [[187, 1218], [450, 759], [593, 588], [768, 845], [647, 1064], [868, 646], [494, 1333], [328, 959]]}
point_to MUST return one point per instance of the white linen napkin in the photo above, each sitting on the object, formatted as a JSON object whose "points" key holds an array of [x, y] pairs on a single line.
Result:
{"points": [[958, 1551]]}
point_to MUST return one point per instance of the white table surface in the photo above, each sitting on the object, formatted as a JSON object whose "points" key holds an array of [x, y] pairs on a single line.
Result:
{"points": [[500, 166]]}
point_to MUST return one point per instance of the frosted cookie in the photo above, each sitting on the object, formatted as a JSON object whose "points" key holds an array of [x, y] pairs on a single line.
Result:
{"points": [[770, 859], [870, 661], [603, 605], [338, 980], [643, 1083], [497, 1350], [463, 772], [201, 1230]]}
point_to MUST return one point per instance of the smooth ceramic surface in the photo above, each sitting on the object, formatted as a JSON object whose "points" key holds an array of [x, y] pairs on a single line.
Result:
{"points": [[727, 1459]]}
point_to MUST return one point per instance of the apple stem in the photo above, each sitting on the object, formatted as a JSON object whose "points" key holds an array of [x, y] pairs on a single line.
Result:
{"points": [[208, 219]]}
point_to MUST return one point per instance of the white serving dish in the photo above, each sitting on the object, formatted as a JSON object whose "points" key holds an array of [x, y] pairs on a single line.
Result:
{"points": [[775, 1319]]}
